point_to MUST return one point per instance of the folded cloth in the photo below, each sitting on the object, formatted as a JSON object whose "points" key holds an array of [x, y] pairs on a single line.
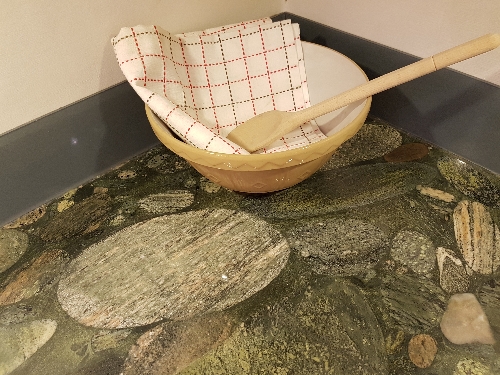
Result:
{"points": [[204, 84]]}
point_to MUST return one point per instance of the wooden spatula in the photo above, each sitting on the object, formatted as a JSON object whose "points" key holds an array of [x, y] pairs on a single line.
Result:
{"points": [[262, 130]]}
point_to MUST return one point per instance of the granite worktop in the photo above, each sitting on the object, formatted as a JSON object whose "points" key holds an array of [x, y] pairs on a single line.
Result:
{"points": [[386, 261]]}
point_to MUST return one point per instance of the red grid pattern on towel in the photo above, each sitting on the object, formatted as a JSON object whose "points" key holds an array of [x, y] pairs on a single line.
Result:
{"points": [[162, 55], [203, 84], [141, 57], [210, 92]]}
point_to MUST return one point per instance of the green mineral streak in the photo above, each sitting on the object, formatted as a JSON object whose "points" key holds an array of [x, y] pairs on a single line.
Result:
{"points": [[337, 190], [373, 140], [306, 336], [414, 313]]}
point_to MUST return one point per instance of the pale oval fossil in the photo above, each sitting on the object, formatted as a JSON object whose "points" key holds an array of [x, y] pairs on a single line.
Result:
{"points": [[478, 236], [175, 266], [168, 202], [435, 193]]}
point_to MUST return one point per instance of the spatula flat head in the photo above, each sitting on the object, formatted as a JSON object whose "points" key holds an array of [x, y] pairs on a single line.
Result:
{"points": [[259, 131]]}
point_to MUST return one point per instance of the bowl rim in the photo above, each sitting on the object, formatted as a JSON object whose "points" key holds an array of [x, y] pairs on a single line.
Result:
{"points": [[274, 160], [251, 162]]}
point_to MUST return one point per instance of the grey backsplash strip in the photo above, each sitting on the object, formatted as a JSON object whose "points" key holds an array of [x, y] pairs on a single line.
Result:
{"points": [[42, 160]]}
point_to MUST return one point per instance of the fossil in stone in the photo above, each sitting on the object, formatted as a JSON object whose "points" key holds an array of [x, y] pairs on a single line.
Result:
{"points": [[173, 266], [478, 236], [422, 350], [435, 193], [453, 277]]}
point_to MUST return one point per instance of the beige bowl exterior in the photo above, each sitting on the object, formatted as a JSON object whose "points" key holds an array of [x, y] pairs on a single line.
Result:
{"points": [[263, 173]]}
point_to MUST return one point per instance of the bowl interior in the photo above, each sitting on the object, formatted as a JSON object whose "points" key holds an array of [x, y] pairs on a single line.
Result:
{"points": [[328, 73]]}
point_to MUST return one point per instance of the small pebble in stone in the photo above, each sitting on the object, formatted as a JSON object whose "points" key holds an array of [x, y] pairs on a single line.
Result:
{"points": [[64, 205], [125, 175], [340, 247], [67, 201], [435, 193], [100, 190], [453, 277], [407, 152], [464, 321], [29, 218], [422, 350], [169, 202], [414, 250], [478, 237], [13, 244]]}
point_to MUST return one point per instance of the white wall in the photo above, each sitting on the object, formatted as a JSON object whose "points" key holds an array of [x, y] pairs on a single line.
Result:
{"points": [[418, 27], [54, 53]]}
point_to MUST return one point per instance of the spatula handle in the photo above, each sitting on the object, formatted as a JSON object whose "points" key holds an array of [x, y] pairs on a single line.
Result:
{"points": [[431, 64], [466, 51]]}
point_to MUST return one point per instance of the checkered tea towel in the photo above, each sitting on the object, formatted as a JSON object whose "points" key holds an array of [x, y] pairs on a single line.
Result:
{"points": [[204, 84]]}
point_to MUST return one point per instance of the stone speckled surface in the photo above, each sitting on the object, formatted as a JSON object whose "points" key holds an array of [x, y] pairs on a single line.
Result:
{"points": [[153, 269]]}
